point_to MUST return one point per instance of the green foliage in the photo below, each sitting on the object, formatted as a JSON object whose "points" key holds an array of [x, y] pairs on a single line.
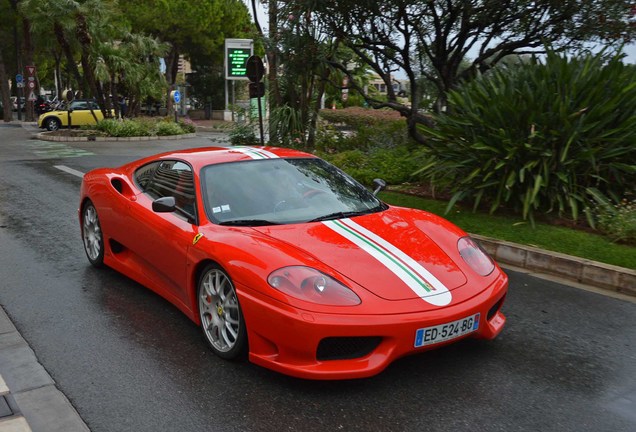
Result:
{"points": [[187, 125], [364, 129], [286, 127], [243, 134], [359, 118], [394, 165], [617, 221], [134, 128], [376, 150], [164, 128], [123, 128], [537, 138]]}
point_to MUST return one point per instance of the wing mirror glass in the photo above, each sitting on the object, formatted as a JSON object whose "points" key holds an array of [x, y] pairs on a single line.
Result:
{"points": [[378, 185], [165, 204]]}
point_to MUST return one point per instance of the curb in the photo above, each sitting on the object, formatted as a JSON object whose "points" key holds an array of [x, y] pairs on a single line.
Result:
{"points": [[44, 137], [588, 272]]}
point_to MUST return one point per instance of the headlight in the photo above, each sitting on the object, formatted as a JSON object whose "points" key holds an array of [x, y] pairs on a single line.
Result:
{"points": [[475, 256], [306, 283]]}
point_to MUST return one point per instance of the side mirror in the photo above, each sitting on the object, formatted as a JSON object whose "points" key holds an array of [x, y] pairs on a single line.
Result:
{"points": [[165, 204], [378, 185]]}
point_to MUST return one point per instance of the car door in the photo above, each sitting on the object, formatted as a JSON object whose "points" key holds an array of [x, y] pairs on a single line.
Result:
{"points": [[160, 241]]}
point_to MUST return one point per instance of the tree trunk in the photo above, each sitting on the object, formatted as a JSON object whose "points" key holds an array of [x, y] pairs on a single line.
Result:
{"points": [[5, 92], [27, 56], [68, 52], [272, 58], [85, 40], [322, 83]]}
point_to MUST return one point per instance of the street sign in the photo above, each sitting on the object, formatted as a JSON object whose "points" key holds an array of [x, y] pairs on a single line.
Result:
{"points": [[237, 51], [176, 96], [20, 84], [255, 69], [32, 96], [30, 70], [31, 85], [19, 78], [257, 89]]}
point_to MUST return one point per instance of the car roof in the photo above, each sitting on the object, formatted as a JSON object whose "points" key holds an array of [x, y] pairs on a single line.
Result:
{"points": [[200, 157]]}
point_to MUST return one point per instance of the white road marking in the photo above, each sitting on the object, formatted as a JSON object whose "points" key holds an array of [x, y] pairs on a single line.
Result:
{"points": [[69, 170]]}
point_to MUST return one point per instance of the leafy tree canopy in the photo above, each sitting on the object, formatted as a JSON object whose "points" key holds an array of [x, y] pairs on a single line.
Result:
{"points": [[431, 38]]}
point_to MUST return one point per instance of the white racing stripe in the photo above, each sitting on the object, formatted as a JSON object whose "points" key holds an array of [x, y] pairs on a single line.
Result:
{"points": [[417, 278], [255, 153]]}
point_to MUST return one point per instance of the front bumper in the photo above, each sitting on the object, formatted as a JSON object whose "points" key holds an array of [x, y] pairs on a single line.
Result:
{"points": [[285, 339]]}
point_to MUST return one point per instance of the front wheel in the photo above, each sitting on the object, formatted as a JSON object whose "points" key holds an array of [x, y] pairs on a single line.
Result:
{"points": [[221, 317], [52, 124], [92, 235]]}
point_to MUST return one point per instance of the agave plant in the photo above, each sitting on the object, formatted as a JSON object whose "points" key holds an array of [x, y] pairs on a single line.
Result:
{"points": [[538, 137]]}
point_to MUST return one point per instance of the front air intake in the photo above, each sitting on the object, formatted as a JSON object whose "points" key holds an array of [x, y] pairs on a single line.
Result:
{"points": [[346, 348]]}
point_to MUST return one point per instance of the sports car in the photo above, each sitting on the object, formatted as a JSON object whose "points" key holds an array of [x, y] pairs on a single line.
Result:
{"points": [[284, 259]]}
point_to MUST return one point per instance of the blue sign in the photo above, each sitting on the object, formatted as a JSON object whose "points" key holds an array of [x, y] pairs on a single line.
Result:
{"points": [[19, 78], [176, 96]]}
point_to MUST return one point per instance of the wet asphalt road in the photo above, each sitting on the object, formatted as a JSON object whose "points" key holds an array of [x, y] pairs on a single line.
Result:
{"points": [[129, 361]]}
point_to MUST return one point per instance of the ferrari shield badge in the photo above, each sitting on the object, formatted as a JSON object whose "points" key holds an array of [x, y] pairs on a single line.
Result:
{"points": [[196, 238]]}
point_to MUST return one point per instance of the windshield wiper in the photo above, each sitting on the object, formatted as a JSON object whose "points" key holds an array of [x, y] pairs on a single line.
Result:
{"points": [[248, 222], [339, 215]]}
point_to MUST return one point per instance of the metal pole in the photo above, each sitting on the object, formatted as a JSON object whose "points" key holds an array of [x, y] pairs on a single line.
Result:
{"points": [[260, 119]]}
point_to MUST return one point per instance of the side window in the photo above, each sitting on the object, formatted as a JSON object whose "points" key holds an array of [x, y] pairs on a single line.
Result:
{"points": [[144, 174], [174, 178], [79, 105], [93, 105]]}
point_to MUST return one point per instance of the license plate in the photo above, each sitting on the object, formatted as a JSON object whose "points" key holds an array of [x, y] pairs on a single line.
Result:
{"points": [[445, 332]]}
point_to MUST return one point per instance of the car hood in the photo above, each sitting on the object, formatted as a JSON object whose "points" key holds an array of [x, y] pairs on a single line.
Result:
{"points": [[388, 253]]}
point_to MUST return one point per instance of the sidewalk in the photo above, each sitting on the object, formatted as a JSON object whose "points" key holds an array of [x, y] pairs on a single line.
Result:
{"points": [[29, 398]]}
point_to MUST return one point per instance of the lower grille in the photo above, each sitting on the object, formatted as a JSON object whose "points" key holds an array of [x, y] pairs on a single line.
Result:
{"points": [[346, 348], [493, 310]]}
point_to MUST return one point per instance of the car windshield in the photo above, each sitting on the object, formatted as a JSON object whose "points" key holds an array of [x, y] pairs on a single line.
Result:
{"points": [[282, 191]]}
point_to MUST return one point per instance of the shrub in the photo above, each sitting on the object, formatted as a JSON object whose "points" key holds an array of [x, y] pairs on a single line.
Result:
{"points": [[394, 165], [617, 221], [538, 137], [389, 134], [187, 125], [358, 118], [243, 134], [164, 128]]}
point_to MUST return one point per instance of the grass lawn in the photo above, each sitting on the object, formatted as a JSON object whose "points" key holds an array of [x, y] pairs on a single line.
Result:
{"points": [[544, 236]]}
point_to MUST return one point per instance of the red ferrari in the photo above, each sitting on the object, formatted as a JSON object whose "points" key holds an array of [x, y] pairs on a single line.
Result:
{"points": [[280, 256]]}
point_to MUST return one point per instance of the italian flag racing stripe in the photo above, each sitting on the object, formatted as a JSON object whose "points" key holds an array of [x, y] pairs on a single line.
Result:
{"points": [[417, 278], [255, 153]]}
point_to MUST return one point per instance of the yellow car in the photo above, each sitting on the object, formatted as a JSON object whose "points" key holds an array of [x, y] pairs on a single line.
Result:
{"points": [[80, 115]]}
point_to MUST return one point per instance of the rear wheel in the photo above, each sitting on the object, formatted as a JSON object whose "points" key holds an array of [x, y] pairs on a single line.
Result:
{"points": [[92, 235], [221, 317], [52, 124]]}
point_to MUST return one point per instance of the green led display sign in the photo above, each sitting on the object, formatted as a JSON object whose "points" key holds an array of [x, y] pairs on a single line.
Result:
{"points": [[237, 62], [237, 51]]}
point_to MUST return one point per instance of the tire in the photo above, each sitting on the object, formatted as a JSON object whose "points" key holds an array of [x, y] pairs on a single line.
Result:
{"points": [[92, 236], [222, 320], [52, 124]]}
